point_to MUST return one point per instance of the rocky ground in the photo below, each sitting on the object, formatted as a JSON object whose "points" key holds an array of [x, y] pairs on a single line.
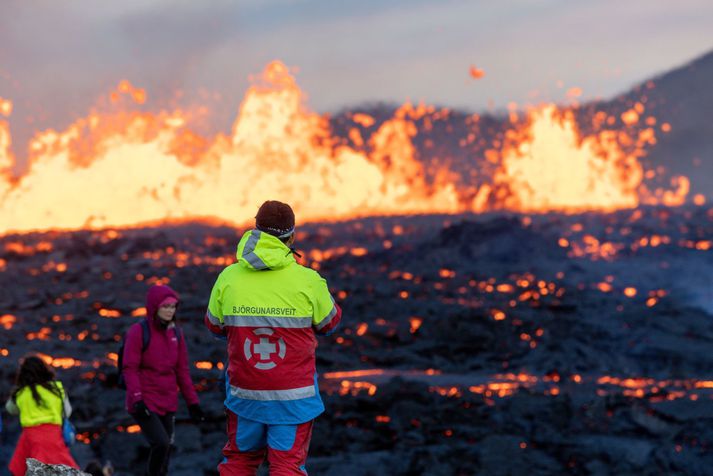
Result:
{"points": [[492, 344]]}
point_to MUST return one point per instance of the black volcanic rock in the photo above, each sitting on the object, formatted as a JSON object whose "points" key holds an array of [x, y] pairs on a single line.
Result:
{"points": [[495, 347], [684, 99]]}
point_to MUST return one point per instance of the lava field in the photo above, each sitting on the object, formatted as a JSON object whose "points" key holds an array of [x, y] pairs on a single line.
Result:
{"points": [[472, 344]]}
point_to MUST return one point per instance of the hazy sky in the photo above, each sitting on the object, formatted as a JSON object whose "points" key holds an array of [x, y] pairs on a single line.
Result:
{"points": [[58, 56]]}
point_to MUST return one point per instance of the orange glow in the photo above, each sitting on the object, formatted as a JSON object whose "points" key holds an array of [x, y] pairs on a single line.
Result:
{"points": [[364, 120], [497, 314], [699, 199], [20, 248], [505, 288], [501, 389], [5, 107], [4, 352], [546, 165], [115, 156], [383, 419], [476, 73], [139, 311], [204, 365], [446, 391], [630, 292], [353, 374], [604, 287], [362, 328], [42, 334], [415, 323], [630, 117], [446, 273], [273, 136], [133, 429], [354, 388], [505, 385], [63, 362], [110, 313], [7, 321]]}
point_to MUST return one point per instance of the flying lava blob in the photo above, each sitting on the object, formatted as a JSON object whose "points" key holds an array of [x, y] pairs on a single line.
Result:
{"points": [[127, 167]]}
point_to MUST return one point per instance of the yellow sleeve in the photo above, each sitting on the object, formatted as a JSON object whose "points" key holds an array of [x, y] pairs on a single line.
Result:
{"points": [[215, 304], [323, 304]]}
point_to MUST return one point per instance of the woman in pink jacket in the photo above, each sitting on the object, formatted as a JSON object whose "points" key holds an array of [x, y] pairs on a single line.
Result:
{"points": [[153, 374]]}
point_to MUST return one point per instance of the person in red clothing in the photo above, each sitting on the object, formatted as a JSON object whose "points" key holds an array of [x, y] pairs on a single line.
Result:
{"points": [[153, 375], [41, 402]]}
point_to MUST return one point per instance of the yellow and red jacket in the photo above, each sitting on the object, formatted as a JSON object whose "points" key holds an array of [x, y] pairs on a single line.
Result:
{"points": [[270, 308]]}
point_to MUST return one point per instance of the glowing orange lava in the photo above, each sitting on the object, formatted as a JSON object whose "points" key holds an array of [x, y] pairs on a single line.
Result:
{"points": [[547, 166], [125, 167]]}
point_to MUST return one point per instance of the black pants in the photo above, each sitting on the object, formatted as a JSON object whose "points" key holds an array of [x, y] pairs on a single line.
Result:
{"points": [[158, 431]]}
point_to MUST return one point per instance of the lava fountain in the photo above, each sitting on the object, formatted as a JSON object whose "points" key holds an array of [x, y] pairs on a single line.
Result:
{"points": [[125, 167]]}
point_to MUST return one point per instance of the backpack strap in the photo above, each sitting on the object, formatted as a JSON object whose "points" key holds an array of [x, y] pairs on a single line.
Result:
{"points": [[145, 335]]}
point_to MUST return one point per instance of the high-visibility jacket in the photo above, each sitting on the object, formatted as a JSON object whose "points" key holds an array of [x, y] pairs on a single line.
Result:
{"points": [[269, 308], [32, 414]]}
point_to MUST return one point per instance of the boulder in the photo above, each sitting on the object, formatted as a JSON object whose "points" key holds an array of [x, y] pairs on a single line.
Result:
{"points": [[38, 468]]}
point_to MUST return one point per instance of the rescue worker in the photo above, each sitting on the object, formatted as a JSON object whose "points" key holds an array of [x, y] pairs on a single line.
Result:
{"points": [[269, 309]]}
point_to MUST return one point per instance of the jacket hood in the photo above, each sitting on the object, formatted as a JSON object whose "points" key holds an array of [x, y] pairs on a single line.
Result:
{"points": [[258, 251], [155, 297]]}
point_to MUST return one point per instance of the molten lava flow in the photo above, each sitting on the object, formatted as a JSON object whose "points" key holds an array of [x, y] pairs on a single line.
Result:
{"points": [[128, 167], [549, 169]]}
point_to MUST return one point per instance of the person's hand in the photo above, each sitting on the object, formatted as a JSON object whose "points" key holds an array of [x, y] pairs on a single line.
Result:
{"points": [[141, 410], [196, 413]]}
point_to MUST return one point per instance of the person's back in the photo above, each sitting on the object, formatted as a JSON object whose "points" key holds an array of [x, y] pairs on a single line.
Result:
{"points": [[49, 411], [41, 403], [269, 307]]}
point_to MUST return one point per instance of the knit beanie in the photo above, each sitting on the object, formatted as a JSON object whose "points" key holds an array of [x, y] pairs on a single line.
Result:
{"points": [[275, 218]]}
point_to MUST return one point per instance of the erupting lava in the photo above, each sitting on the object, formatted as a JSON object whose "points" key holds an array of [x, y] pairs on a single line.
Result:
{"points": [[552, 171], [126, 168], [547, 166]]}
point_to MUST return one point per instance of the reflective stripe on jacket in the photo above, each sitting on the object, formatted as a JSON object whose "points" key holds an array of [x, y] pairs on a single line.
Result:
{"points": [[269, 307]]}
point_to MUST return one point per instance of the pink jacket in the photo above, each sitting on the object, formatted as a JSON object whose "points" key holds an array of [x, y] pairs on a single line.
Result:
{"points": [[152, 376]]}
